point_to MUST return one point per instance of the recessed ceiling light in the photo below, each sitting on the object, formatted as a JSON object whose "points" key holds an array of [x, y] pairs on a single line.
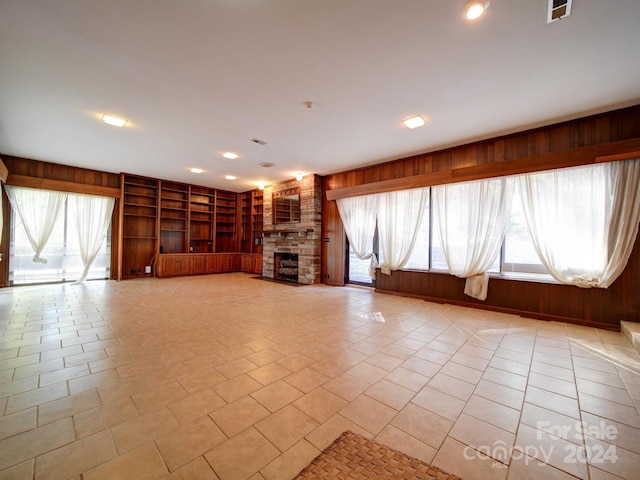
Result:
{"points": [[474, 8], [113, 120], [414, 122], [230, 177], [266, 164], [230, 155], [197, 170]]}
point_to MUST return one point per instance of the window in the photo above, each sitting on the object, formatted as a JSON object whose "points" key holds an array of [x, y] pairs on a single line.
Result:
{"points": [[519, 254], [420, 256], [62, 253]]}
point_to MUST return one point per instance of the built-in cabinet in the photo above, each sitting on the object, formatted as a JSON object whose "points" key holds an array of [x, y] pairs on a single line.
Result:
{"points": [[251, 222], [171, 265], [139, 218], [172, 228]]}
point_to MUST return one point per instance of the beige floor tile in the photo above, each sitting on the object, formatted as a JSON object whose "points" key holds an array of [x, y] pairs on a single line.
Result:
{"points": [[201, 380], [553, 401], [524, 467], [237, 387], [306, 379], [236, 367], [432, 354], [94, 380], [32, 398], [22, 471], [18, 422], [144, 462], [475, 432], [68, 406], [21, 447], [451, 386], [269, 373], [276, 395], [239, 415], [612, 459], [158, 397], [197, 469], [500, 394], [554, 423], [507, 379], [499, 415], [555, 451], [422, 424], [140, 430], [405, 443], [106, 416], [264, 357], [194, 406], [369, 414], [439, 403], [320, 404], [77, 457], [457, 458], [242, 456], [291, 462], [189, 442], [407, 378], [286, 427]]}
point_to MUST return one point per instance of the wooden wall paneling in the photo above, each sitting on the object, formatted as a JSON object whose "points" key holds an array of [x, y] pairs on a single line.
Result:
{"points": [[333, 245]]}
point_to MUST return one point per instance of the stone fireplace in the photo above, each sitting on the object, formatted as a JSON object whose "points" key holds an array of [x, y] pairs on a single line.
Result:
{"points": [[300, 237]]}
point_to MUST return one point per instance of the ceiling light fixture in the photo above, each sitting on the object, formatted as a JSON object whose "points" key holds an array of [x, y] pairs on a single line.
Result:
{"points": [[474, 9], [299, 176], [261, 185], [197, 170], [230, 177], [230, 155], [414, 122], [113, 120]]}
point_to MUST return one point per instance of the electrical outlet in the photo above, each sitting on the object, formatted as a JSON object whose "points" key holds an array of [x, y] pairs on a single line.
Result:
{"points": [[147, 269]]}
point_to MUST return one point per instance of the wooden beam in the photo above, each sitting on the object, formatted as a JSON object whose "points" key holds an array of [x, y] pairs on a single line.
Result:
{"points": [[62, 186], [4, 171], [605, 152]]}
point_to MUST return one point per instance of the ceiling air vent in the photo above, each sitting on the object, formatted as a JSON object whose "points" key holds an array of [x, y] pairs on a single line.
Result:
{"points": [[558, 9]]}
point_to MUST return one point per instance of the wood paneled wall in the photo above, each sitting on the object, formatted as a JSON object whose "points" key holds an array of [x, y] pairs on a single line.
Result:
{"points": [[37, 174], [580, 141]]}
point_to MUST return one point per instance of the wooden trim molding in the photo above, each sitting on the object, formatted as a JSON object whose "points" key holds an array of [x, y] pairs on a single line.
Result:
{"points": [[605, 152], [4, 171], [62, 186]]}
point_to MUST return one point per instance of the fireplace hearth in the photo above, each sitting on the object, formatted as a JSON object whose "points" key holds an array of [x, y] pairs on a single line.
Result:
{"points": [[285, 266]]}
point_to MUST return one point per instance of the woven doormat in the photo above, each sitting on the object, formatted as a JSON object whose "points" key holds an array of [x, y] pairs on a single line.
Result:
{"points": [[353, 457]]}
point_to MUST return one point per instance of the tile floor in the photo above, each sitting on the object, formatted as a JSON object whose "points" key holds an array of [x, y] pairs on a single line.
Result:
{"points": [[230, 377]]}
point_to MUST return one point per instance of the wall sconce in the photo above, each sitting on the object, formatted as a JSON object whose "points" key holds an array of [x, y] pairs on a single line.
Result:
{"points": [[299, 177], [261, 185]]}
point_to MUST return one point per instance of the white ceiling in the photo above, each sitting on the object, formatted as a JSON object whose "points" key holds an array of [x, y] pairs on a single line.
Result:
{"points": [[197, 78]]}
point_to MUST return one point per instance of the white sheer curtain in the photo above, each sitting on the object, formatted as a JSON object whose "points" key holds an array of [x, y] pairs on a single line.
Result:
{"points": [[584, 220], [399, 217], [358, 216], [472, 218], [93, 217], [38, 210]]}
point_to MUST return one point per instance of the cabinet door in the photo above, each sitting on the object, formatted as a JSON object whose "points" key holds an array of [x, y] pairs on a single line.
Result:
{"points": [[175, 265], [212, 264], [246, 263], [257, 264], [199, 264]]}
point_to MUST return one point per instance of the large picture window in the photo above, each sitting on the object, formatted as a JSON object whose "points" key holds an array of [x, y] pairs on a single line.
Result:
{"points": [[62, 252]]}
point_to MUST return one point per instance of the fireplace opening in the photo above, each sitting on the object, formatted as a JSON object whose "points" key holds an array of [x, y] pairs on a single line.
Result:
{"points": [[285, 266]]}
